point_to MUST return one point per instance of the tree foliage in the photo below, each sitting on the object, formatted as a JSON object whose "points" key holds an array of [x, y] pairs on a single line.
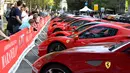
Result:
{"points": [[116, 5], [56, 4], [39, 3]]}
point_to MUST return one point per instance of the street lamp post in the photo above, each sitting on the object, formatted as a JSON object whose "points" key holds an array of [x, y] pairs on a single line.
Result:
{"points": [[100, 4]]}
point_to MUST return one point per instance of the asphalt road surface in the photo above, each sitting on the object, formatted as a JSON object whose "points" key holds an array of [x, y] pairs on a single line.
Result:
{"points": [[24, 66]]}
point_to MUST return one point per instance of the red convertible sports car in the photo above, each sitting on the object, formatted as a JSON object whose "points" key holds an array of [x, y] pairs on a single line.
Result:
{"points": [[69, 24], [88, 59], [105, 32]]}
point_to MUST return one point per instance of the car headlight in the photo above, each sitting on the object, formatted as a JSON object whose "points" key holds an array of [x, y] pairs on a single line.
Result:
{"points": [[94, 62]]}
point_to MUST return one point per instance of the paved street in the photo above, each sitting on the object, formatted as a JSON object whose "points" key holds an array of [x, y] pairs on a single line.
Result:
{"points": [[24, 66]]}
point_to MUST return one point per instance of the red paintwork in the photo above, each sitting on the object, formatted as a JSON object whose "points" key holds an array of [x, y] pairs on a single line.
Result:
{"points": [[73, 42], [66, 26], [76, 60], [55, 19], [64, 33]]}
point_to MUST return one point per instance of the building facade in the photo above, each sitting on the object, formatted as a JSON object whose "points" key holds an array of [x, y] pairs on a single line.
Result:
{"points": [[64, 5]]}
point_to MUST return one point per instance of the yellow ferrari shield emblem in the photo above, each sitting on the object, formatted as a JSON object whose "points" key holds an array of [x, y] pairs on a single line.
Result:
{"points": [[108, 64], [67, 41]]}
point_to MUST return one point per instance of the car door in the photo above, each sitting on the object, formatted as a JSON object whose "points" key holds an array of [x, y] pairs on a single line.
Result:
{"points": [[122, 61], [96, 34]]}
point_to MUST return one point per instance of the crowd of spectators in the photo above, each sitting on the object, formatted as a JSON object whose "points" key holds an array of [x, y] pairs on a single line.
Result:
{"points": [[19, 17]]}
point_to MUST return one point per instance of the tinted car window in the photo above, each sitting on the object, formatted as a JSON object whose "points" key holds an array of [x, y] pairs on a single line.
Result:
{"points": [[77, 23], [68, 19], [60, 20], [98, 32], [81, 28], [86, 22]]}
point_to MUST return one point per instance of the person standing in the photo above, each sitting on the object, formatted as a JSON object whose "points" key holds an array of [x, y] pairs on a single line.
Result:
{"points": [[15, 19], [100, 15], [17, 15], [24, 15], [9, 29], [8, 12]]}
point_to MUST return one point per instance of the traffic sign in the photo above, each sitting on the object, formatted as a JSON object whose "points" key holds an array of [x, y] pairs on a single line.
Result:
{"points": [[95, 7]]}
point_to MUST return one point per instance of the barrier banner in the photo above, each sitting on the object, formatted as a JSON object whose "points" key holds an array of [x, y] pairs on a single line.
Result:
{"points": [[11, 50]]}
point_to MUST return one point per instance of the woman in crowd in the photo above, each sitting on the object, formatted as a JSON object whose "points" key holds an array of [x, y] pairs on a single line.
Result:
{"points": [[24, 14]]}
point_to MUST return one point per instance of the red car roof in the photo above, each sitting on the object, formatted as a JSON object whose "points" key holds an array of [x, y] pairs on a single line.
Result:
{"points": [[90, 19]]}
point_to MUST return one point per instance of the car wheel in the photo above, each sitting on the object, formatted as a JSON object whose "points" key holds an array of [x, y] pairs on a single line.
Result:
{"points": [[56, 47], [56, 30], [55, 68]]}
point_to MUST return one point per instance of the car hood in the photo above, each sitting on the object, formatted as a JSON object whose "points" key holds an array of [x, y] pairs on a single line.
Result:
{"points": [[90, 49]]}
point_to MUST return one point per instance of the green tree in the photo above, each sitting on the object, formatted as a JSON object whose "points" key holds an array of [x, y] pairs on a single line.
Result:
{"points": [[116, 5], [101, 3], [56, 4], [39, 3]]}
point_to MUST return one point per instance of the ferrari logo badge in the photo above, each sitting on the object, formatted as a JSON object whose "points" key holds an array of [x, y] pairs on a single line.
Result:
{"points": [[108, 64], [67, 41]]}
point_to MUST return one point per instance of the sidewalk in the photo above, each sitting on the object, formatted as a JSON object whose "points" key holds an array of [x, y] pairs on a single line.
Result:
{"points": [[24, 66]]}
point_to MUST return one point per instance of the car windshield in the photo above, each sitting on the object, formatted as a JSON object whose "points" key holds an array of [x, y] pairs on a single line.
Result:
{"points": [[69, 19], [84, 26]]}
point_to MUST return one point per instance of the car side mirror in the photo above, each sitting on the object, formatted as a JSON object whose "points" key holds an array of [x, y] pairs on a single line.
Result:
{"points": [[74, 29], [67, 26], [34, 29], [76, 37]]}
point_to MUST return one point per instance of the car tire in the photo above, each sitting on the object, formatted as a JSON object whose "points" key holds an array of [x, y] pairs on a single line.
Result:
{"points": [[56, 30], [54, 47], [55, 68]]}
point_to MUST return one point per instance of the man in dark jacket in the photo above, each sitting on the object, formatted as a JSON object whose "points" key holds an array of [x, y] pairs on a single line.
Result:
{"points": [[15, 19]]}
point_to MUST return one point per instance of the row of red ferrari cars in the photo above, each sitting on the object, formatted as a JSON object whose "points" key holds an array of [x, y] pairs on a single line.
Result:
{"points": [[82, 44]]}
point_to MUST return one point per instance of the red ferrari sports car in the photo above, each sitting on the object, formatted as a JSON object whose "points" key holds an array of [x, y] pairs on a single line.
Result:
{"points": [[60, 18], [105, 32], [75, 30], [88, 59], [66, 26], [84, 26], [61, 21]]}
